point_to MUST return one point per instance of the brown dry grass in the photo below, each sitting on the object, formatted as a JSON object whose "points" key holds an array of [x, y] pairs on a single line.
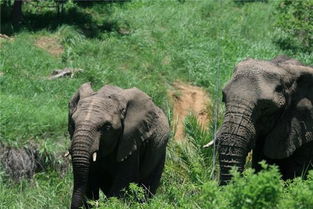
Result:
{"points": [[50, 44], [188, 99]]}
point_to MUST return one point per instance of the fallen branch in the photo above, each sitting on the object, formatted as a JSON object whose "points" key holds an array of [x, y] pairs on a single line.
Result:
{"points": [[59, 73]]}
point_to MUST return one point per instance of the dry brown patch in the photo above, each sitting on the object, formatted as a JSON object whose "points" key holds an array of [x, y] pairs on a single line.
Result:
{"points": [[188, 99], [50, 44], [4, 38]]}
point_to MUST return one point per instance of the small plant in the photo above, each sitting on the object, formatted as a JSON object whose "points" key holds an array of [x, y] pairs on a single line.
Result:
{"points": [[135, 193]]}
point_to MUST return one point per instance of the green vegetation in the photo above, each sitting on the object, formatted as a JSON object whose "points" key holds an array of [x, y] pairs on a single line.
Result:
{"points": [[147, 44], [295, 24]]}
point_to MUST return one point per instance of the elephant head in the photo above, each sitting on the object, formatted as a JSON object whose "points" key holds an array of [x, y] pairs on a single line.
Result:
{"points": [[111, 120], [269, 106]]}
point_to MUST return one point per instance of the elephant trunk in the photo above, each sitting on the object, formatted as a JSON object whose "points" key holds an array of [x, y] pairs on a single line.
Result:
{"points": [[80, 151], [236, 138]]}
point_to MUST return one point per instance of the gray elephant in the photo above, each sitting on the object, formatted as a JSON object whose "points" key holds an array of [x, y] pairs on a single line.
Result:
{"points": [[117, 136], [269, 109]]}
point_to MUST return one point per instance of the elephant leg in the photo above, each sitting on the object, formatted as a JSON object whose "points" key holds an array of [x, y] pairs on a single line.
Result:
{"points": [[106, 184], [151, 182], [282, 165], [92, 193], [127, 172], [258, 156], [300, 162], [92, 190]]}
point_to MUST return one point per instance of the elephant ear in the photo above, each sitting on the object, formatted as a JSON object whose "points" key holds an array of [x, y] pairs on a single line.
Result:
{"points": [[140, 116], [85, 90], [295, 127]]}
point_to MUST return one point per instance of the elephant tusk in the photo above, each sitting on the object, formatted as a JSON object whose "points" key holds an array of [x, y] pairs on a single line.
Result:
{"points": [[66, 154], [94, 157], [209, 144]]}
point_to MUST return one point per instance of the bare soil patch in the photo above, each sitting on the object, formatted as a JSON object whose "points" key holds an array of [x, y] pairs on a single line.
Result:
{"points": [[4, 38], [188, 99], [50, 44]]}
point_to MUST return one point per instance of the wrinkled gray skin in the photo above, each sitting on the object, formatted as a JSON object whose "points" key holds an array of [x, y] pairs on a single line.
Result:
{"points": [[128, 133], [268, 110]]}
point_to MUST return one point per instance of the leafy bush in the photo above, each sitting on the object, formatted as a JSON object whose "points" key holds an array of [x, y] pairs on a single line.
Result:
{"points": [[295, 24], [257, 191], [299, 194]]}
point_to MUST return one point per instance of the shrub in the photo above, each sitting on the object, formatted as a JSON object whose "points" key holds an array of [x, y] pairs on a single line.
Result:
{"points": [[299, 194], [295, 24], [257, 191]]}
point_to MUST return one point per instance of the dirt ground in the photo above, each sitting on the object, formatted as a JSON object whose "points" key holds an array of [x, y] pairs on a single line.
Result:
{"points": [[50, 44], [188, 99]]}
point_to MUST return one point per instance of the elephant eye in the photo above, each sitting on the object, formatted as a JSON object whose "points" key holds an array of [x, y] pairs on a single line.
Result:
{"points": [[107, 126], [104, 126], [279, 88]]}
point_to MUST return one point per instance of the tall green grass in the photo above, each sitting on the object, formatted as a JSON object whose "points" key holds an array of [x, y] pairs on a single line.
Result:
{"points": [[146, 44]]}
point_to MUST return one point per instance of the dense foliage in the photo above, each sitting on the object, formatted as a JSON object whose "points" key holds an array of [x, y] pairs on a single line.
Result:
{"points": [[147, 44], [295, 24]]}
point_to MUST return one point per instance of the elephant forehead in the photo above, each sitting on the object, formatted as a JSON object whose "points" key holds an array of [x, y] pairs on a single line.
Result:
{"points": [[95, 109], [97, 102], [251, 68]]}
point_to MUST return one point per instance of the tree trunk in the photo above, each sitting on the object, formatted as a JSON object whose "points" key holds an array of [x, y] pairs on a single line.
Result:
{"points": [[16, 14]]}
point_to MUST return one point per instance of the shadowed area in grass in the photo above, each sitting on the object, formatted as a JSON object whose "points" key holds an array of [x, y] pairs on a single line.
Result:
{"points": [[82, 18], [22, 163]]}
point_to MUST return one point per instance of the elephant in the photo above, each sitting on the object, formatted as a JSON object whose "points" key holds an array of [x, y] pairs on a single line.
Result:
{"points": [[269, 110], [118, 136]]}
